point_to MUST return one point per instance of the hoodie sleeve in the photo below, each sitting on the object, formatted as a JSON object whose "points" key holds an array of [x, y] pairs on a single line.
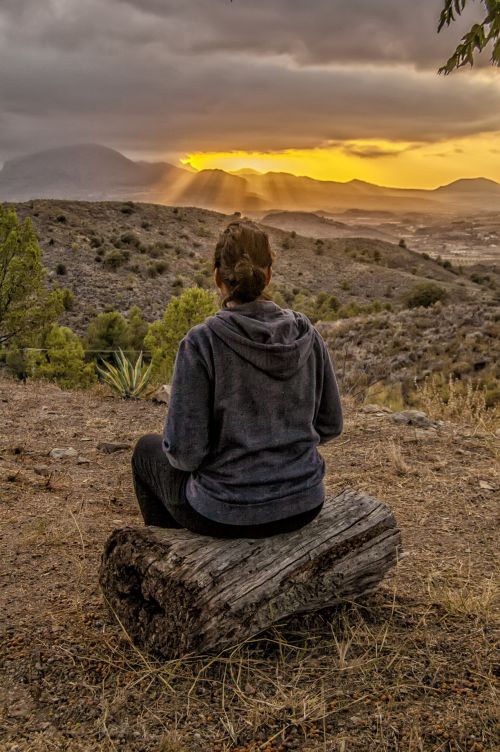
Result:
{"points": [[186, 432], [329, 421]]}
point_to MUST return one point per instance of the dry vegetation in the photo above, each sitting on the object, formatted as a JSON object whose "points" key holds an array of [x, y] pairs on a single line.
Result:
{"points": [[412, 669], [116, 255]]}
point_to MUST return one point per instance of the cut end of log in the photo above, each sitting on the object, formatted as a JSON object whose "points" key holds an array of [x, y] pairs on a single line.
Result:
{"points": [[176, 592]]}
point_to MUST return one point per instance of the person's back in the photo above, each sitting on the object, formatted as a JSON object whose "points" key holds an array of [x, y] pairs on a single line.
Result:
{"points": [[253, 394]]}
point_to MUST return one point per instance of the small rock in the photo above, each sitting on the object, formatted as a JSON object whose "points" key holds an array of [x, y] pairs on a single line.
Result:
{"points": [[42, 470], [108, 447], [82, 461], [62, 453], [486, 485], [162, 394], [376, 409], [413, 418]]}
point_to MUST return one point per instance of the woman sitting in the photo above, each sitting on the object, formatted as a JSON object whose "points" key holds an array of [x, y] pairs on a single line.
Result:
{"points": [[253, 394]]}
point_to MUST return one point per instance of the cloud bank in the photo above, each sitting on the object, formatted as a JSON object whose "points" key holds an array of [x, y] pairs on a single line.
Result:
{"points": [[169, 76]]}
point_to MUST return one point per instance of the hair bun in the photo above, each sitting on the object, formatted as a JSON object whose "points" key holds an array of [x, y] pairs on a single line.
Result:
{"points": [[242, 255]]}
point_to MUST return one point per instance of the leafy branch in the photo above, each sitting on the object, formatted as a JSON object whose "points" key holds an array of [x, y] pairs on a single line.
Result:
{"points": [[477, 38]]}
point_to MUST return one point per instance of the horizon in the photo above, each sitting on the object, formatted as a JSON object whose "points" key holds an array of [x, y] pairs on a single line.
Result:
{"points": [[246, 170]]}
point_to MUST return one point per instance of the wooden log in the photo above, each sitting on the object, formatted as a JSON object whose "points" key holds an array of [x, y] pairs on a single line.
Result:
{"points": [[176, 592]]}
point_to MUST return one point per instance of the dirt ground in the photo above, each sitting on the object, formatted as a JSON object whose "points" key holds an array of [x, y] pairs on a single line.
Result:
{"points": [[411, 669]]}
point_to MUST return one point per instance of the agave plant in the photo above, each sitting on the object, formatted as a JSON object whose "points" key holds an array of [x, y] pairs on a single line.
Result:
{"points": [[126, 379]]}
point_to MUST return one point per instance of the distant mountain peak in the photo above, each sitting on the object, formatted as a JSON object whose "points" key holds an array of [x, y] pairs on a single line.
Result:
{"points": [[464, 185]]}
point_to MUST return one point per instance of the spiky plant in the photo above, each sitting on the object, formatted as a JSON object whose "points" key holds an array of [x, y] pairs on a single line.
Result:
{"points": [[126, 379]]}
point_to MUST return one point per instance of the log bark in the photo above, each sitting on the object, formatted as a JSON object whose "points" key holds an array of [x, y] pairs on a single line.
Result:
{"points": [[176, 592]]}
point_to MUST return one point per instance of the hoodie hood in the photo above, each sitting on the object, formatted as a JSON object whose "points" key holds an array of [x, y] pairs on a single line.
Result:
{"points": [[272, 339]]}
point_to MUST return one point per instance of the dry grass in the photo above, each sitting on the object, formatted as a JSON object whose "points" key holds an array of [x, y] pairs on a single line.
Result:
{"points": [[396, 458], [460, 403], [412, 669]]}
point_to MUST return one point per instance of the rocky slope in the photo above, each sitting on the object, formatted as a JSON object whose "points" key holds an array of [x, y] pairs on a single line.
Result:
{"points": [[117, 255]]}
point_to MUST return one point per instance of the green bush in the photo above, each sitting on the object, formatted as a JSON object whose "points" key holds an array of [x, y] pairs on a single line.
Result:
{"points": [[327, 306], [107, 332], [181, 314], [137, 329], [67, 299], [64, 359], [425, 295]]}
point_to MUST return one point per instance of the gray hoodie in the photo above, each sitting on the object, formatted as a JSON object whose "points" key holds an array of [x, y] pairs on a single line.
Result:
{"points": [[253, 394]]}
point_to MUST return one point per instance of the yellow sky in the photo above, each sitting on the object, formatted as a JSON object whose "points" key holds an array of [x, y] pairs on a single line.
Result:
{"points": [[397, 164]]}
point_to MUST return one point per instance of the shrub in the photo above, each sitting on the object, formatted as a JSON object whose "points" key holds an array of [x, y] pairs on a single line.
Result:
{"points": [[402, 243], [137, 329], [107, 332], [129, 238], [425, 295], [327, 306], [181, 314], [64, 359], [200, 280], [62, 219], [61, 269], [479, 279], [67, 299], [161, 266], [203, 232], [114, 259], [127, 208], [178, 282]]}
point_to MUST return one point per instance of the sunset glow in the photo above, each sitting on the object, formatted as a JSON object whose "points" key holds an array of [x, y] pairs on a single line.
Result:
{"points": [[388, 163]]}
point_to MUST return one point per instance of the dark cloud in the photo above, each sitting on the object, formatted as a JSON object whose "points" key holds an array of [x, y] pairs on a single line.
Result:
{"points": [[373, 152], [167, 77], [326, 31]]}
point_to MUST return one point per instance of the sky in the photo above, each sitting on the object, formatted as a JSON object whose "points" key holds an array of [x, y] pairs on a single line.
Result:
{"points": [[332, 89]]}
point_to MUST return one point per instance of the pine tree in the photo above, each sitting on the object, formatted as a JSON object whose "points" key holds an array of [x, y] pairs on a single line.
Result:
{"points": [[181, 314], [26, 307]]}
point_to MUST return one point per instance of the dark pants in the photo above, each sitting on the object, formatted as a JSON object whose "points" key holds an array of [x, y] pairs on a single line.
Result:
{"points": [[160, 491]]}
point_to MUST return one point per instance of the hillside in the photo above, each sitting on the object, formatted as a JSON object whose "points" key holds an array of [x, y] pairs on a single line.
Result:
{"points": [[388, 355], [115, 255], [93, 172], [411, 668], [314, 225]]}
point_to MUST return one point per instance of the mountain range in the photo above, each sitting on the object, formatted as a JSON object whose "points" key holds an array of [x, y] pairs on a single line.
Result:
{"points": [[93, 172]]}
